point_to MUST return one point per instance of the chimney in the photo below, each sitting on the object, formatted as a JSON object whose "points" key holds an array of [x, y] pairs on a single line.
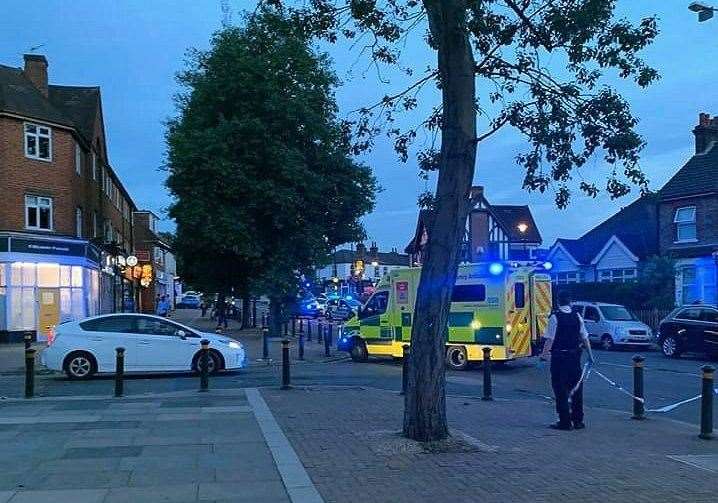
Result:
{"points": [[36, 71], [706, 132]]}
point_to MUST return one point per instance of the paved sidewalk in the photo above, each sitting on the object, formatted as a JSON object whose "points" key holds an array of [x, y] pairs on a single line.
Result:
{"points": [[220, 446], [347, 439]]}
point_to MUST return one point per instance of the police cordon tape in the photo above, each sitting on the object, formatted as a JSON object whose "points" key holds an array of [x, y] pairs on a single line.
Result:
{"points": [[589, 368]]}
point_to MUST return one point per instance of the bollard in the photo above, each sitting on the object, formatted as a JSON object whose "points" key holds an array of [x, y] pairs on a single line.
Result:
{"points": [[405, 370], [309, 331], [265, 343], [327, 341], [301, 345], [119, 372], [204, 366], [301, 325], [294, 326], [707, 402], [29, 373], [28, 339], [487, 374], [320, 332], [285, 365], [639, 409]]}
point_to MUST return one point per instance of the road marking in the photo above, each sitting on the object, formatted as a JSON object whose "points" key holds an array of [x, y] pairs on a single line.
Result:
{"points": [[296, 480], [708, 462]]}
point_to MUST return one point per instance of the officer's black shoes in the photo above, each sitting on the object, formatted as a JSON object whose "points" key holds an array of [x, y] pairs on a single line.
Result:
{"points": [[579, 425], [560, 426]]}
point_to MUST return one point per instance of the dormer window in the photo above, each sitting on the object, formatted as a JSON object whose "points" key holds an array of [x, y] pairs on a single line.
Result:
{"points": [[685, 221], [38, 142]]}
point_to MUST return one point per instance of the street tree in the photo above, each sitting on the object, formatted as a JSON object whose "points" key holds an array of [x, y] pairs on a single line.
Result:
{"points": [[260, 168], [536, 65]]}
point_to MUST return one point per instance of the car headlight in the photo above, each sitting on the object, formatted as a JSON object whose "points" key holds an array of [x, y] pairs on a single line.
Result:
{"points": [[234, 345]]}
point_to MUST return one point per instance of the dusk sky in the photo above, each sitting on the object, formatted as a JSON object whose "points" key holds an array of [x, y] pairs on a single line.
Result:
{"points": [[132, 49]]}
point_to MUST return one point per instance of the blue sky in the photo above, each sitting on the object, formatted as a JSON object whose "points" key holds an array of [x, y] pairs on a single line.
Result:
{"points": [[132, 49]]}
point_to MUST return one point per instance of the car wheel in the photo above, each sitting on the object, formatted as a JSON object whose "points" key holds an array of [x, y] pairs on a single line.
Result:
{"points": [[80, 365], [214, 363], [456, 358], [670, 347], [607, 343], [359, 351]]}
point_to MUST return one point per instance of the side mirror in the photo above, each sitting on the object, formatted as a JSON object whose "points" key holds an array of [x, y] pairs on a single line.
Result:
{"points": [[181, 334]]}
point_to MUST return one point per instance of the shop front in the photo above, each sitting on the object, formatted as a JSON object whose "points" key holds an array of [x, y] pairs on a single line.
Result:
{"points": [[45, 281]]}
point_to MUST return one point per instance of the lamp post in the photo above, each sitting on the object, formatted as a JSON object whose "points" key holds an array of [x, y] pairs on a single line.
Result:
{"points": [[523, 227], [705, 12]]}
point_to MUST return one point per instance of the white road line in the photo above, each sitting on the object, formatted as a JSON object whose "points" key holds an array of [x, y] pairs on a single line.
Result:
{"points": [[299, 486]]}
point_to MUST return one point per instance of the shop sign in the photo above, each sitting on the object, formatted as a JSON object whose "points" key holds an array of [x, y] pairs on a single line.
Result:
{"points": [[47, 247]]}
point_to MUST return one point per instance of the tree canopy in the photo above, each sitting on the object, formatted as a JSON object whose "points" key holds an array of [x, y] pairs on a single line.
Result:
{"points": [[259, 166]]}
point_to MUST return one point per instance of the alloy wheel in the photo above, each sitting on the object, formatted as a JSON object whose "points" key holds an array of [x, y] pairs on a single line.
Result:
{"points": [[669, 346], [80, 366]]}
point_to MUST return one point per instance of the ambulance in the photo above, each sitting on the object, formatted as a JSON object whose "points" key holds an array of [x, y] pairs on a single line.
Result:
{"points": [[504, 306]]}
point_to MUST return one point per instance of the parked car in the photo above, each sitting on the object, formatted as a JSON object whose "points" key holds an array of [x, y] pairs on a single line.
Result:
{"points": [[612, 325], [689, 329], [341, 309], [189, 301], [152, 344]]}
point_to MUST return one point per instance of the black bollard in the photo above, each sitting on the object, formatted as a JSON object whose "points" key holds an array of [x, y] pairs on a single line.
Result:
{"points": [[320, 332], [119, 372], [487, 374], [301, 325], [639, 409], [301, 345], [285, 365], [405, 370], [707, 402], [29, 373], [204, 366], [254, 313], [28, 339], [265, 343], [327, 341]]}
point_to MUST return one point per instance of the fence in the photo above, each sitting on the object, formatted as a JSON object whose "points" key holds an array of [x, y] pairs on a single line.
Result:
{"points": [[652, 317]]}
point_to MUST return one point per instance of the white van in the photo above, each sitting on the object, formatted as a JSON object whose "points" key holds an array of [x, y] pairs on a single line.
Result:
{"points": [[612, 325]]}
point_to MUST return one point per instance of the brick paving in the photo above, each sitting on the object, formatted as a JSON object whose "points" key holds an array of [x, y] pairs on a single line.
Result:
{"points": [[344, 438]]}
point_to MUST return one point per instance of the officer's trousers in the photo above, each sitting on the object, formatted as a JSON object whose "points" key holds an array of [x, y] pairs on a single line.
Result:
{"points": [[565, 373]]}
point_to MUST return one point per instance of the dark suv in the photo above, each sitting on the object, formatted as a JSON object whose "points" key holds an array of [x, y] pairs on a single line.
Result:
{"points": [[689, 329]]}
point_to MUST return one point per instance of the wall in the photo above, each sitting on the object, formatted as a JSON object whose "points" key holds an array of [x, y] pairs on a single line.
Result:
{"points": [[615, 258], [706, 222]]}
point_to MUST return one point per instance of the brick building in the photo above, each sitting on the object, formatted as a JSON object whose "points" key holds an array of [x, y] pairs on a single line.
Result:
{"points": [[65, 216], [153, 250]]}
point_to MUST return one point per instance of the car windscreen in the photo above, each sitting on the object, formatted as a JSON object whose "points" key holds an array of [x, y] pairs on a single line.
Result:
{"points": [[617, 313]]}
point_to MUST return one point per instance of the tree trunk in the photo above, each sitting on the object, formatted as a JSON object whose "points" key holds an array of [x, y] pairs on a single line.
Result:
{"points": [[246, 312], [275, 318], [425, 400]]}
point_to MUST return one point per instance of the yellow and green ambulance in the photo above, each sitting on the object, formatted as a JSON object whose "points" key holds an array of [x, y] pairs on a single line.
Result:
{"points": [[504, 306]]}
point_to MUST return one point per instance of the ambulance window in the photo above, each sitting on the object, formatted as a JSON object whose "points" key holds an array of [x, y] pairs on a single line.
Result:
{"points": [[377, 304], [519, 295], [468, 293]]}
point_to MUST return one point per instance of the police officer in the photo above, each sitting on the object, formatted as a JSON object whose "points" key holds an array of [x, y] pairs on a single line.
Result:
{"points": [[566, 336]]}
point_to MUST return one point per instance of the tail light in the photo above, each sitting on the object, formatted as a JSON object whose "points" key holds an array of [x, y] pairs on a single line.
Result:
{"points": [[51, 335]]}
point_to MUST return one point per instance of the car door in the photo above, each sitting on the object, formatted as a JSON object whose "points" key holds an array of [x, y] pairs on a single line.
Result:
{"points": [[592, 320], [709, 319], [690, 329], [104, 335], [374, 319], [161, 345]]}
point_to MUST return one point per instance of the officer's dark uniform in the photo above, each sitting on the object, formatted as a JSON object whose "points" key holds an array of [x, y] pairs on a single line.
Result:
{"points": [[566, 367]]}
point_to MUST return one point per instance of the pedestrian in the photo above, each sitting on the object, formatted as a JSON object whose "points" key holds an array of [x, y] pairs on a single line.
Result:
{"points": [[203, 307], [566, 337], [221, 313], [163, 306]]}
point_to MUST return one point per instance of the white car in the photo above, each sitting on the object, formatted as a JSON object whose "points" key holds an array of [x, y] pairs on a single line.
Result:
{"points": [[612, 325], [152, 344]]}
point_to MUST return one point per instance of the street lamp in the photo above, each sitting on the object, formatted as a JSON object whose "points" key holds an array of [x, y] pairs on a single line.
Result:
{"points": [[705, 12]]}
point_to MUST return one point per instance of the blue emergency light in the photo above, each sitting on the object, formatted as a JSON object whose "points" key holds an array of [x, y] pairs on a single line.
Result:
{"points": [[496, 268]]}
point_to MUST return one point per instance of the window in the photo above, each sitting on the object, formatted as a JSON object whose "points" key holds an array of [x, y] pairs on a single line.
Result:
{"points": [[152, 326], [38, 213], [78, 222], [468, 293], [690, 314], [617, 313], [94, 165], [564, 278], [591, 314], [38, 142], [115, 324], [78, 159], [685, 220], [709, 315], [689, 287], [108, 231], [376, 305], [94, 224], [617, 275], [519, 295]]}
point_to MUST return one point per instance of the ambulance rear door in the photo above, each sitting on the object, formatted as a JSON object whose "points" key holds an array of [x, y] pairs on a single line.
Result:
{"points": [[517, 304], [540, 307]]}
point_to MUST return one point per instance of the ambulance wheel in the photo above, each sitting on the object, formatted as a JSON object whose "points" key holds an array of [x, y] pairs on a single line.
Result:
{"points": [[456, 358], [359, 352]]}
